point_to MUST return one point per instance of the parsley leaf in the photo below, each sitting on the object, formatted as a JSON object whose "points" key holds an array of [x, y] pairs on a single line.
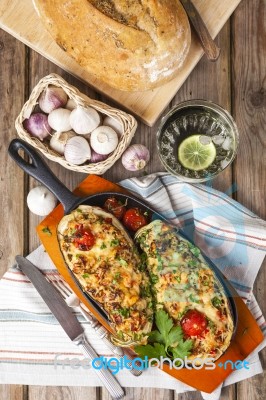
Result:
{"points": [[175, 336], [155, 351], [183, 349], [164, 324]]}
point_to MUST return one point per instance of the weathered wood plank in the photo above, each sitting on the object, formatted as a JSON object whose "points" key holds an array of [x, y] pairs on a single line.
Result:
{"points": [[39, 67], [143, 393], [13, 392], [11, 177], [249, 102], [12, 54], [61, 393]]}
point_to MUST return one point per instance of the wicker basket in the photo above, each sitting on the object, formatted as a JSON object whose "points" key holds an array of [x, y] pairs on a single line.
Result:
{"points": [[128, 122]]}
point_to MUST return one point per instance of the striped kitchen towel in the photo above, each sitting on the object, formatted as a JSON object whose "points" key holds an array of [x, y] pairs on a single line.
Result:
{"points": [[34, 348]]}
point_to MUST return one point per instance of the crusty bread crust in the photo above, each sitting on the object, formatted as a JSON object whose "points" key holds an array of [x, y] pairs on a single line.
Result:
{"points": [[130, 45]]}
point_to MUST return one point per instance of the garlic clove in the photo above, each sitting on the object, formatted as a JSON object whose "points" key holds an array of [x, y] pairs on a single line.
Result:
{"points": [[71, 104], [37, 125], [59, 139], [59, 120], [84, 120], [77, 150], [41, 201], [135, 157], [104, 140], [115, 124], [52, 98]]}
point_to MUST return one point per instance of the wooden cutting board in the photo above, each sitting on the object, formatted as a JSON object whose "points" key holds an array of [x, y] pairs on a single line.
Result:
{"points": [[19, 18]]}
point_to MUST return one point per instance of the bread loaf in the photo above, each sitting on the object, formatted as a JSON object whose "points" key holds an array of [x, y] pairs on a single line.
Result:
{"points": [[130, 45]]}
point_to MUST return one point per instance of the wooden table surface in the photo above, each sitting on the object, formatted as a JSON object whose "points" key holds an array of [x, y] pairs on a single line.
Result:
{"points": [[237, 82]]}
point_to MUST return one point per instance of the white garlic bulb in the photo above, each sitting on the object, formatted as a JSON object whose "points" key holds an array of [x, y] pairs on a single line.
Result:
{"points": [[77, 150], [51, 98], [84, 120], [135, 157], [41, 201], [59, 120], [104, 140], [59, 139], [115, 124]]}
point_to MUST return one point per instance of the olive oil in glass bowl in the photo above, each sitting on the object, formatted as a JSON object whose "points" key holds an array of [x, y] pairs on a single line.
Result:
{"points": [[197, 140]]}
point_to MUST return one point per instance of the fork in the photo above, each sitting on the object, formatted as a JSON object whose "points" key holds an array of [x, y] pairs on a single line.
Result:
{"points": [[73, 301]]}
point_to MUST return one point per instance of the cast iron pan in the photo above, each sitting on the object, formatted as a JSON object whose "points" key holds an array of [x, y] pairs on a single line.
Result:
{"points": [[39, 170]]}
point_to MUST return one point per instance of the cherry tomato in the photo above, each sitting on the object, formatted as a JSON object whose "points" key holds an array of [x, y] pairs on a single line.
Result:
{"points": [[193, 323], [134, 219], [84, 239], [115, 207]]}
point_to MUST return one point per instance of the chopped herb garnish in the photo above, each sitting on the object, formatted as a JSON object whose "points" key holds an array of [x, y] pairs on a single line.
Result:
{"points": [[154, 278], [47, 231], [211, 325], [85, 275], [123, 262], [192, 263], [193, 299], [145, 291], [114, 242], [195, 251], [216, 302], [117, 275], [79, 210], [103, 246], [124, 312]]}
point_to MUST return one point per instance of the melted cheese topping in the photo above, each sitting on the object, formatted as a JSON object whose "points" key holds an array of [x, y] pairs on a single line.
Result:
{"points": [[182, 280], [109, 271]]}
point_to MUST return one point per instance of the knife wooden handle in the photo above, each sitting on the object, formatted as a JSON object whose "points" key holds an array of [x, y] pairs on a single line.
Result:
{"points": [[107, 378], [211, 50]]}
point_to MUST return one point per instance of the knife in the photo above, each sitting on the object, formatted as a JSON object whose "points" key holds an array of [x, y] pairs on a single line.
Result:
{"points": [[211, 50], [69, 322]]}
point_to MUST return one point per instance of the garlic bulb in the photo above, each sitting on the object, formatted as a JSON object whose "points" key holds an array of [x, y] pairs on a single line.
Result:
{"points": [[37, 125], [41, 201], [95, 157], [77, 150], [59, 139], [135, 157], [103, 140], [59, 120], [84, 120], [51, 98], [115, 124], [71, 104]]}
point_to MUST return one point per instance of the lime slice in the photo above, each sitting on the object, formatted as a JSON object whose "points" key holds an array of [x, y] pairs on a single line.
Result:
{"points": [[197, 152]]}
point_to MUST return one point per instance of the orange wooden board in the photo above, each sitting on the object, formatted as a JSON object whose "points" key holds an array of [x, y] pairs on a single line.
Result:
{"points": [[248, 335], [19, 18]]}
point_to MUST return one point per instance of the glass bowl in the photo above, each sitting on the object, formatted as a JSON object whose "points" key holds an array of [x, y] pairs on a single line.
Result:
{"points": [[210, 125]]}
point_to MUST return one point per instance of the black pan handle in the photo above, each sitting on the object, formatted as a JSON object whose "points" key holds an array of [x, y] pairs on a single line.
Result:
{"points": [[39, 170]]}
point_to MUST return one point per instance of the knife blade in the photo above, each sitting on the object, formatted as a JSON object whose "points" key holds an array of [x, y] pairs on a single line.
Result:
{"points": [[68, 321]]}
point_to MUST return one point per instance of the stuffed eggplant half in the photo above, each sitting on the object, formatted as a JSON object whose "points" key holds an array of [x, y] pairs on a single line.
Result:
{"points": [[186, 288], [104, 260]]}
